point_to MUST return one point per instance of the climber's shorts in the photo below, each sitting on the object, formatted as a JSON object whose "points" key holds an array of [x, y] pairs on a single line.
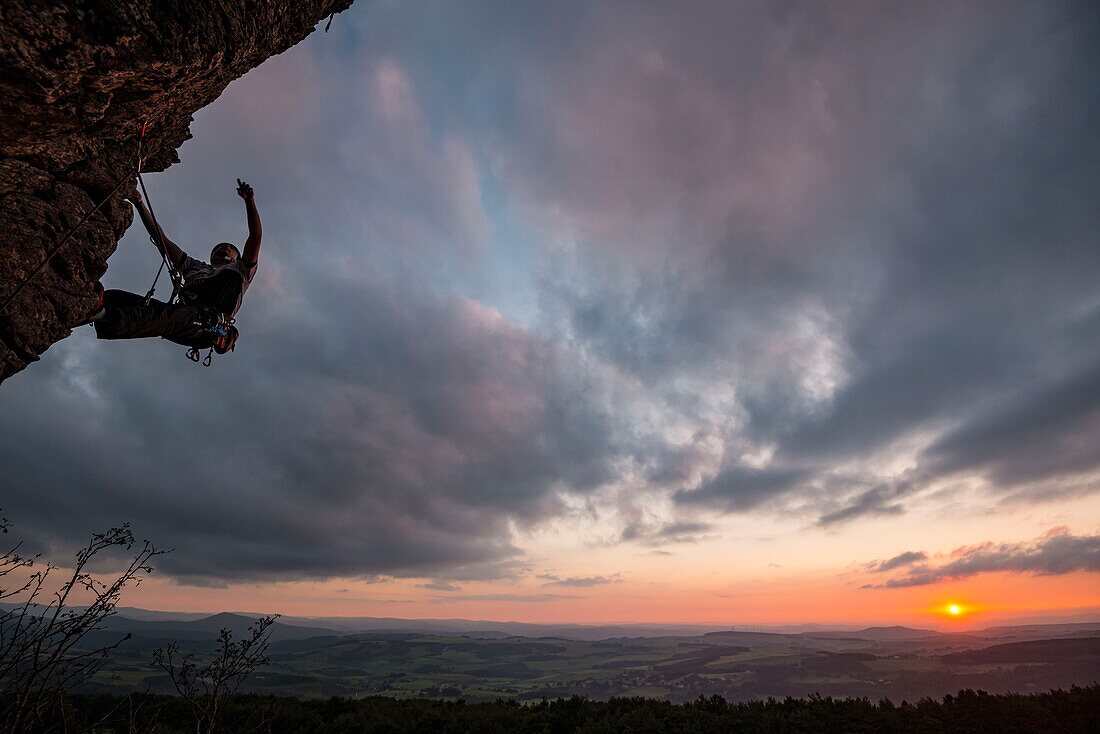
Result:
{"points": [[127, 316]]}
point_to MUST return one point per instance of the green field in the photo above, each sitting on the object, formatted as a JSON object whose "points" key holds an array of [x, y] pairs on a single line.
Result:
{"points": [[737, 665]]}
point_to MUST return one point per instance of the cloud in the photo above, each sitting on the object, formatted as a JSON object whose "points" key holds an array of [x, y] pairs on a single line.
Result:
{"points": [[579, 581], [901, 560], [522, 598], [904, 296], [357, 154], [664, 533], [439, 586], [631, 136], [1059, 552], [883, 499], [402, 437], [742, 488], [1044, 434]]}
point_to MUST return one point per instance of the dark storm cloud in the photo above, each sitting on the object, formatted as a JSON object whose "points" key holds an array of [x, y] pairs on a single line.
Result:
{"points": [[916, 202], [1059, 552], [402, 441], [742, 488], [990, 298], [1047, 433]]}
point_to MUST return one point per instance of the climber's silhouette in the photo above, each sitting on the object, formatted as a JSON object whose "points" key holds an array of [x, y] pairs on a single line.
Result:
{"points": [[209, 295]]}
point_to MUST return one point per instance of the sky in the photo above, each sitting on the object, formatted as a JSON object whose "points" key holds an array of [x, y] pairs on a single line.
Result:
{"points": [[723, 313]]}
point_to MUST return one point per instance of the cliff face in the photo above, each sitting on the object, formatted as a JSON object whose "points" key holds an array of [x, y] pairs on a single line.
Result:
{"points": [[77, 80]]}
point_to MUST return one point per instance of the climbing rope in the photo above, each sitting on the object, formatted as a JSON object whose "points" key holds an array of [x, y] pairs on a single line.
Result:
{"points": [[59, 245], [173, 273], [68, 235], [157, 238]]}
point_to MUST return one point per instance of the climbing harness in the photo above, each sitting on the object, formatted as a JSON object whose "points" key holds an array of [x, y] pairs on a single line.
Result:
{"points": [[223, 331]]}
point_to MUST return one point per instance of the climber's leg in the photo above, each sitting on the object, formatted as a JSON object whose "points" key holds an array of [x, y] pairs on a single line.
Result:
{"points": [[127, 316]]}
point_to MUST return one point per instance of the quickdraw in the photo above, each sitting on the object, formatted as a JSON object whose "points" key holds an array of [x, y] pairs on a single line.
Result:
{"points": [[193, 355]]}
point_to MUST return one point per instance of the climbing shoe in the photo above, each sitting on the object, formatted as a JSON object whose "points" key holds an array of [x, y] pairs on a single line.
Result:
{"points": [[97, 309]]}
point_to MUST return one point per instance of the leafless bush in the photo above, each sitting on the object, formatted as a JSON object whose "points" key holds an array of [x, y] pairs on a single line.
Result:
{"points": [[41, 632], [206, 688]]}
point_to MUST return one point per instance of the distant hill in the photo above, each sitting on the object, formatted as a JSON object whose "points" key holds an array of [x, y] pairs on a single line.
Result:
{"points": [[879, 634], [490, 629], [209, 628], [1032, 651], [150, 615], [1074, 629], [731, 635]]}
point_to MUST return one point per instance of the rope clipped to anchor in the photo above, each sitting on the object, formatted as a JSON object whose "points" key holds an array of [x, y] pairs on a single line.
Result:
{"points": [[219, 327], [176, 279], [173, 272], [64, 240]]}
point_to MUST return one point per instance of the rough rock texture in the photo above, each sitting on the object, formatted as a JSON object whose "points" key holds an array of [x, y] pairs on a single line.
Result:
{"points": [[77, 79]]}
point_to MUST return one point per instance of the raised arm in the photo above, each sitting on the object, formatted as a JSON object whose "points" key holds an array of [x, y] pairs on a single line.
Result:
{"points": [[170, 249], [255, 232]]}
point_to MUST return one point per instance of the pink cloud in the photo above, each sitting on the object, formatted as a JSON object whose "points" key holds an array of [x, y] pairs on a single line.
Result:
{"points": [[630, 144]]}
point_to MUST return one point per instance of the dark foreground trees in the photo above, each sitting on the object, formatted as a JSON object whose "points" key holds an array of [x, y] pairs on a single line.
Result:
{"points": [[1076, 711], [47, 617]]}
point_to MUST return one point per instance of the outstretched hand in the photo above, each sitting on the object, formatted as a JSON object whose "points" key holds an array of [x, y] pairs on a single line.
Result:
{"points": [[244, 190]]}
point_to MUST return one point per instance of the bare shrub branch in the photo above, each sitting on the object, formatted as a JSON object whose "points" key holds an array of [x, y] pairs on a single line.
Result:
{"points": [[42, 634], [207, 688]]}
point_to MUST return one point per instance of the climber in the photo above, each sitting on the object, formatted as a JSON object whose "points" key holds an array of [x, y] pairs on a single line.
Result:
{"points": [[209, 294]]}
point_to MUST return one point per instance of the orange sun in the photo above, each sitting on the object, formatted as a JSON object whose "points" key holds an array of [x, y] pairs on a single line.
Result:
{"points": [[954, 610]]}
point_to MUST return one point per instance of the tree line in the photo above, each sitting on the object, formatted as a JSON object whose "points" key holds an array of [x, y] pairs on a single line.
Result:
{"points": [[1074, 711]]}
